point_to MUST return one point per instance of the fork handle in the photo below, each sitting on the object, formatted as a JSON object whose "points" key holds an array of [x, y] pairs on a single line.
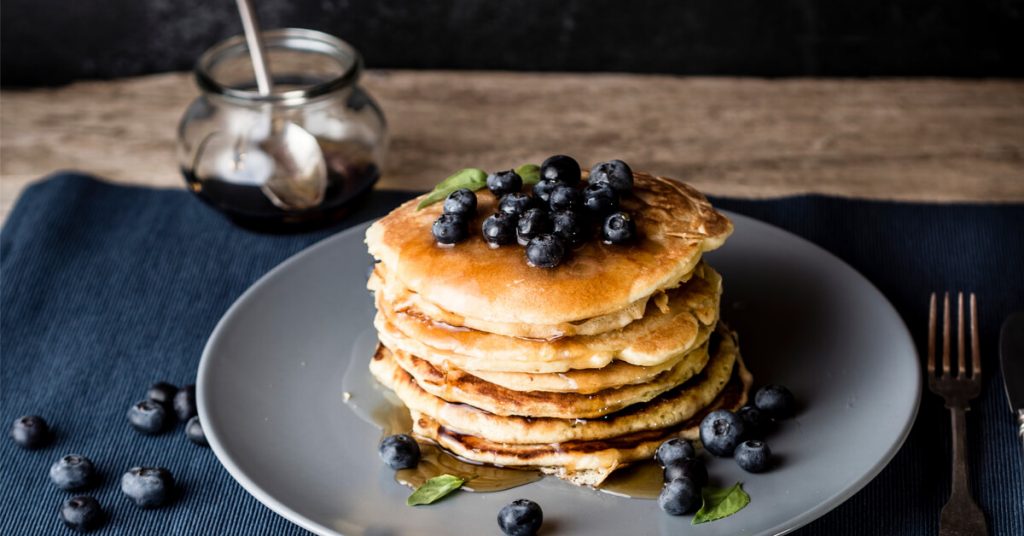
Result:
{"points": [[961, 515], [961, 482]]}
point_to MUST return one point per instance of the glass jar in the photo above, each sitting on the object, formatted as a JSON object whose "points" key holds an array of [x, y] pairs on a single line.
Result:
{"points": [[229, 138]]}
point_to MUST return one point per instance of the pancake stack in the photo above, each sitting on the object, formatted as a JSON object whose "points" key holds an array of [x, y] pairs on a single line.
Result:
{"points": [[576, 370]]}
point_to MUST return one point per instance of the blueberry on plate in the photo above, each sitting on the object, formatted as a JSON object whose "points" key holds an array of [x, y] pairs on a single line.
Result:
{"points": [[776, 401], [561, 168], [515, 203], [534, 222], [521, 517], [674, 450], [545, 251], [185, 403], [30, 432], [720, 432], [82, 513], [162, 393], [753, 456], [461, 202], [148, 417], [680, 496], [570, 227], [399, 451], [148, 487], [72, 472], [756, 423], [693, 468], [450, 229], [614, 173], [194, 432], [600, 199], [499, 229], [542, 190], [618, 228], [504, 182], [565, 197]]}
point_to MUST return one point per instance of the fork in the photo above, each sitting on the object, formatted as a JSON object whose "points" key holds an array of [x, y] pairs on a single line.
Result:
{"points": [[961, 515]]}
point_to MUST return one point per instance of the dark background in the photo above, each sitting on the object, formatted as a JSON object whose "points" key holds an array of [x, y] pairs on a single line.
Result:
{"points": [[56, 41]]}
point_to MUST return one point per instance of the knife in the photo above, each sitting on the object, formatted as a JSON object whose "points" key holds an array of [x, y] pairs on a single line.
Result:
{"points": [[1011, 359]]}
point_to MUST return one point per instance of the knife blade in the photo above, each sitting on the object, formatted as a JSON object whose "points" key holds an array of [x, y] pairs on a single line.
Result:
{"points": [[1011, 361]]}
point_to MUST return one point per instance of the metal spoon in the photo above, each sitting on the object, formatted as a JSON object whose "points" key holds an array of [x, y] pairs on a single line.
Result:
{"points": [[299, 179]]}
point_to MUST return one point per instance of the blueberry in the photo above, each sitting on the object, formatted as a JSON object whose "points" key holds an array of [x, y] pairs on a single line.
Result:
{"points": [[756, 423], [185, 403], [515, 203], [694, 469], [561, 168], [679, 497], [720, 432], [30, 432], [450, 229], [564, 197], [534, 222], [545, 251], [753, 456], [674, 450], [776, 401], [194, 432], [149, 487], [570, 227], [148, 417], [399, 451], [499, 229], [618, 228], [542, 190], [504, 182], [462, 202], [521, 517], [82, 513], [614, 173], [73, 472], [600, 199], [162, 393]]}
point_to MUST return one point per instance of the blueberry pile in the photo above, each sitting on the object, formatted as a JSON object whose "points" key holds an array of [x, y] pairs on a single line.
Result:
{"points": [[723, 434], [561, 214], [147, 487]]}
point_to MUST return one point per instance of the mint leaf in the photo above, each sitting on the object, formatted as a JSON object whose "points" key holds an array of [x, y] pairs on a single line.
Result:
{"points": [[529, 172], [719, 503], [434, 489], [471, 178]]}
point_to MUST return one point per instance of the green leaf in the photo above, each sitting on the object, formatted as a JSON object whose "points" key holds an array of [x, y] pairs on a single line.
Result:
{"points": [[529, 172], [719, 503], [471, 178], [434, 489]]}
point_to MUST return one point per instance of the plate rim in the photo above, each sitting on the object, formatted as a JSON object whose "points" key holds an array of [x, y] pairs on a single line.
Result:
{"points": [[264, 497]]}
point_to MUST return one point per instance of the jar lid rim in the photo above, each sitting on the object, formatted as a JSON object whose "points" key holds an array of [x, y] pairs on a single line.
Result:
{"points": [[297, 38]]}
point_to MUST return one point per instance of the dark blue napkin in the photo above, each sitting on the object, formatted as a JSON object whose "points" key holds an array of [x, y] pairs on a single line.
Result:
{"points": [[106, 289]]}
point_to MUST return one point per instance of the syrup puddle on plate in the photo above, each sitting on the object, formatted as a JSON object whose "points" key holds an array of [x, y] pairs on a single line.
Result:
{"points": [[378, 406]]}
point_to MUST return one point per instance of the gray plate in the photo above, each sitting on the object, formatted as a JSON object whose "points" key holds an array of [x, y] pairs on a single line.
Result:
{"points": [[270, 398]]}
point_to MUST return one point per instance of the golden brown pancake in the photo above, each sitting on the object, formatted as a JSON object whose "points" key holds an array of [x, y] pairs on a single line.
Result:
{"points": [[454, 385], [655, 338], [676, 225]]}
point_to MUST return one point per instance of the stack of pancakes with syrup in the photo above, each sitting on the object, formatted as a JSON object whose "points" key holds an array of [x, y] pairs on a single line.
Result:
{"points": [[576, 370]]}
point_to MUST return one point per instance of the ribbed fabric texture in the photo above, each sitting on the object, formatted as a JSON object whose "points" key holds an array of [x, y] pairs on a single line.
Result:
{"points": [[106, 289]]}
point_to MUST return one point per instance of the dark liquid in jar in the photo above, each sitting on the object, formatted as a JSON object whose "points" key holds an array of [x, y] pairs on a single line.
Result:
{"points": [[351, 173]]}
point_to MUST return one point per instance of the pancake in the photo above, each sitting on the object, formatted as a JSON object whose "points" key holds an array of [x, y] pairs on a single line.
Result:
{"points": [[454, 385], [676, 226], [656, 338], [668, 409], [582, 462]]}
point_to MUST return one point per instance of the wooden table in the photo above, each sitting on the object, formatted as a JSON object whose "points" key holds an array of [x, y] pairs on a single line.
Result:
{"points": [[931, 140]]}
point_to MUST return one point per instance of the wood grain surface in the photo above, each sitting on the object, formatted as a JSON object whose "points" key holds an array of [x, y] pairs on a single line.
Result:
{"points": [[928, 140]]}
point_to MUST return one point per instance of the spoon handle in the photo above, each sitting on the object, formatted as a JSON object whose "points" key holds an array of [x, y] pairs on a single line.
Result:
{"points": [[255, 41]]}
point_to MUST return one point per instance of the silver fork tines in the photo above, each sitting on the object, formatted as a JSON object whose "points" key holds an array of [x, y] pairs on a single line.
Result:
{"points": [[961, 515]]}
